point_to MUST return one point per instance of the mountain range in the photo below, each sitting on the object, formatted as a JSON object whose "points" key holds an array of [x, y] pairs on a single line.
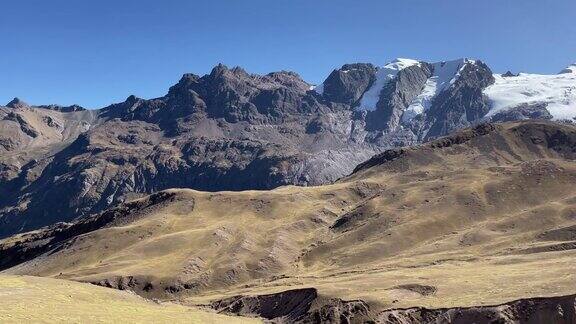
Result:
{"points": [[231, 130]]}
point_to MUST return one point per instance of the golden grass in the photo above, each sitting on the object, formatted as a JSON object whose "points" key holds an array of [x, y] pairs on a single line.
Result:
{"points": [[45, 300]]}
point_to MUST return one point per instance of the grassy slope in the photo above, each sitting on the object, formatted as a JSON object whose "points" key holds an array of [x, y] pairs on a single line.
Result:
{"points": [[481, 223], [33, 299]]}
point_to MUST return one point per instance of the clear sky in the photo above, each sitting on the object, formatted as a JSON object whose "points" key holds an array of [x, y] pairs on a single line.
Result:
{"points": [[94, 53]]}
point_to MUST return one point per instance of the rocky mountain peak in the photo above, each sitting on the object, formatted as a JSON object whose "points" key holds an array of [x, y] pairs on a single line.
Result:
{"points": [[132, 99], [287, 79], [348, 84], [186, 82], [239, 71], [71, 108], [569, 69], [188, 77], [283, 73], [222, 77], [509, 74], [17, 103], [356, 66], [219, 70]]}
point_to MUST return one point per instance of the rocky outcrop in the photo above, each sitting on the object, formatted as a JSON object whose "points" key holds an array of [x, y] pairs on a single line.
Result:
{"points": [[509, 74], [523, 112], [347, 84], [295, 306], [305, 306], [65, 109], [546, 310], [461, 104], [396, 96], [17, 103], [25, 127], [569, 69], [235, 95], [288, 305]]}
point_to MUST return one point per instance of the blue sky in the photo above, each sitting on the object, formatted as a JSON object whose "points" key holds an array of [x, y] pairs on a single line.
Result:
{"points": [[94, 53]]}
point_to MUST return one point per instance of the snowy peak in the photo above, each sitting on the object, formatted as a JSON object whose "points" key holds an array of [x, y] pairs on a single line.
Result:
{"points": [[417, 87], [400, 64], [554, 94], [569, 69], [444, 74], [360, 73], [383, 76], [448, 71]]}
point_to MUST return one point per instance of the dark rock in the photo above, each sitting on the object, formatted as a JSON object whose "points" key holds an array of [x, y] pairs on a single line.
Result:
{"points": [[461, 104], [386, 156], [396, 96], [339, 311], [546, 310], [304, 306], [24, 125], [347, 84], [64, 109], [17, 103], [509, 74], [290, 305], [522, 112]]}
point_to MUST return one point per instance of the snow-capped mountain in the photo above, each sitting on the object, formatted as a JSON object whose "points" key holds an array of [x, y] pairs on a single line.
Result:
{"points": [[554, 93], [418, 99], [444, 75], [569, 69], [384, 75], [507, 97]]}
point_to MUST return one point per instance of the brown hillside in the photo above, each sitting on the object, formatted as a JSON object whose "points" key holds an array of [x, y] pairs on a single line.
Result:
{"points": [[485, 216]]}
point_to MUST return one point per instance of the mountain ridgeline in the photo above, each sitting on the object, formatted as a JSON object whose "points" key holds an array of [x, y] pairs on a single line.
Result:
{"points": [[231, 130]]}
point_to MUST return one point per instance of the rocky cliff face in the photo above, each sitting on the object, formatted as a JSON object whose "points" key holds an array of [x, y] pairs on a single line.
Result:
{"points": [[229, 130], [347, 84], [462, 103], [302, 306]]}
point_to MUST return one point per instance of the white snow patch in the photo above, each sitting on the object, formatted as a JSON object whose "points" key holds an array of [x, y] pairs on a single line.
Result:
{"points": [[318, 88], [383, 76], [443, 76], [557, 91]]}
